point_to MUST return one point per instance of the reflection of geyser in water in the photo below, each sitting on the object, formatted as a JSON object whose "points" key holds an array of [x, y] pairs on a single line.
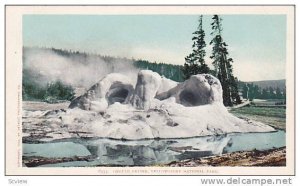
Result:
{"points": [[149, 152]]}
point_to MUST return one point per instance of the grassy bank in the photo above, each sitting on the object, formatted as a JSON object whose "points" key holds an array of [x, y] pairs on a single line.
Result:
{"points": [[273, 116]]}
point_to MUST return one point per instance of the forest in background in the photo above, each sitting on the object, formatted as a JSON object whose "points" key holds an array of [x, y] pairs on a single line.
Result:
{"points": [[37, 87]]}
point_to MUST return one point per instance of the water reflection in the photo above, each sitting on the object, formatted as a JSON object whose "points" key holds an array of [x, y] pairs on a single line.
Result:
{"points": [[150, 152]]}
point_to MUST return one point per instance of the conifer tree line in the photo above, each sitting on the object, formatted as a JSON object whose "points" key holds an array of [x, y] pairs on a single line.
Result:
{"points": [[251, 91], [223, 70]]}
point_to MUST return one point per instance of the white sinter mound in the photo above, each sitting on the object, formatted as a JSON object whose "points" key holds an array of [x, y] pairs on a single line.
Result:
{"points": [[112, 88], [156, 108]]}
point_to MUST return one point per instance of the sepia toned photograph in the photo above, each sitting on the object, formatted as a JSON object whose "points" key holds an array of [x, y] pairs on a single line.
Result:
{"points": [[163, 90]]}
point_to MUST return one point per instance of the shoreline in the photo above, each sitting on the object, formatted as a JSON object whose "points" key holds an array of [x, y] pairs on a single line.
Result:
{"points": [[254, 158]]}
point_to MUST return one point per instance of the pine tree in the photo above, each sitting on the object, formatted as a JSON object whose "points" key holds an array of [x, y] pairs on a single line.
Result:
{"points": [[245, 91], [284, 93], [235, 91], [278, 93], [256, 92], [265, 94], [271, 93], [222, 64], [194, 62]]}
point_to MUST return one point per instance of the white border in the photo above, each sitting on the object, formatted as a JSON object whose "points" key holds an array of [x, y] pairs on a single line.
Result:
{"points": [[13, 90]]}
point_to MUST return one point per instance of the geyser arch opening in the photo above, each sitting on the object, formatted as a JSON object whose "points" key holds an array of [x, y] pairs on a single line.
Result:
{"points": [[119, 92], [187, 98], [192, 98]]}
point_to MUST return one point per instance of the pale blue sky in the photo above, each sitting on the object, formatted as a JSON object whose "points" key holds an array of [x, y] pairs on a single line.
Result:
{"points": [[257, 43]]}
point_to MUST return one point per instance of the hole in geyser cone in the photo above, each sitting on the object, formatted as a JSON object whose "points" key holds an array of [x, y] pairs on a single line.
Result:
{"points": [[118, 93], [189, 98]]}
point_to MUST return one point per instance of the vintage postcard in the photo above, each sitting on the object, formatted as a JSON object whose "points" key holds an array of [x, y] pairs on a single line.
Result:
{"points": [[150, 90]]}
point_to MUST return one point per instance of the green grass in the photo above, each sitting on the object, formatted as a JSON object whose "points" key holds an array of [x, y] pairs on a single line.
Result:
{"points": [[261, 111], [273, 116]]}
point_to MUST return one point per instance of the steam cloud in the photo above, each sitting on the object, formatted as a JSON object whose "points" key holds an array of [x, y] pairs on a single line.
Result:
{"points": [[76, 70]]}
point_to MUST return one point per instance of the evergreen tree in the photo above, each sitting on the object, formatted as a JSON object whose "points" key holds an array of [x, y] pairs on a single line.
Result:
{"points": [[245, 91], [194, 62], [256, 92], [278, 93], [265, 94], [223, 64], [251, 91], [271, 93], [284, 93], [235, 91]]}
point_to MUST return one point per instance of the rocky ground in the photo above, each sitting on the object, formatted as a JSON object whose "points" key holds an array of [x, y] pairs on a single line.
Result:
{"points": [[34, 161], [272, 157], [43, 106]]}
